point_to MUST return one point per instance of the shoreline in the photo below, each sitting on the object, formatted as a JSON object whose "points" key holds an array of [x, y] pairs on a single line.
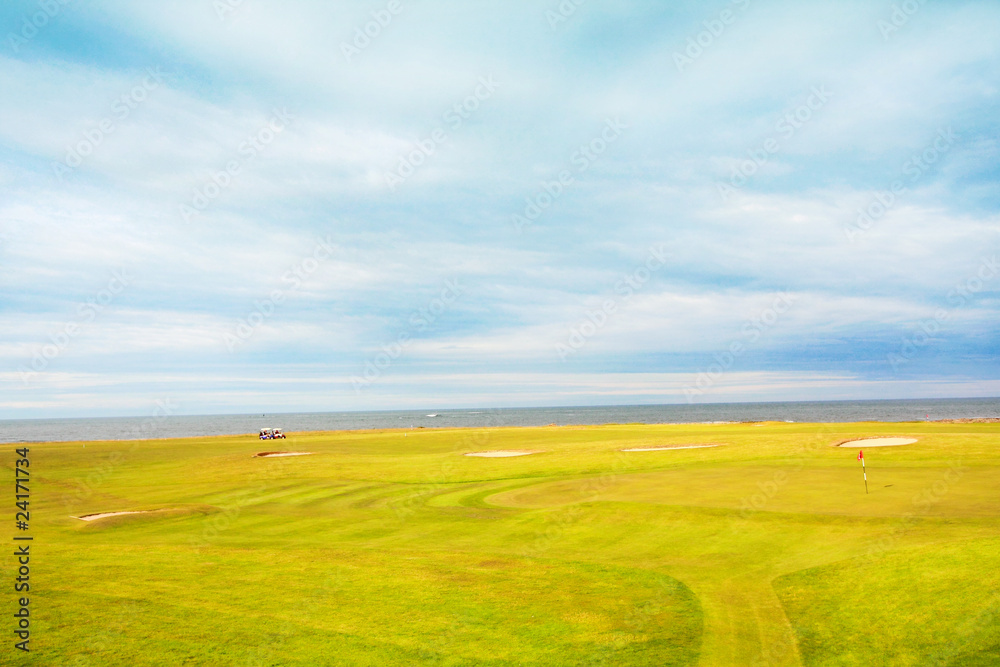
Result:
{"points": [[429, 429], [162, 426]]}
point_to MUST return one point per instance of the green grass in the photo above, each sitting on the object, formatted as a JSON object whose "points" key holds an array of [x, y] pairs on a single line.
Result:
{"points": [[852, 611], [384, 548]]}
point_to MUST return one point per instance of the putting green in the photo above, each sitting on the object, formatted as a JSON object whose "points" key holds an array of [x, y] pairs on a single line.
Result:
{"points": [[384, 548]]}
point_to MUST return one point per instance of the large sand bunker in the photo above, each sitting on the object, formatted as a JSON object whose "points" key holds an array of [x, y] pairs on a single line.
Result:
{"points": [[104, 515], [501, 453], [267, 455], [660, 449], [879, 442]]}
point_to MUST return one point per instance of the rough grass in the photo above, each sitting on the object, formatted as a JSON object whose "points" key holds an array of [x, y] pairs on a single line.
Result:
{"points": [[931, 605], [386, 549]]}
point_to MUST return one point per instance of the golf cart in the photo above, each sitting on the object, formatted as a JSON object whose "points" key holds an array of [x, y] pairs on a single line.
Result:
{"points": [[267, 434], [276, 434]]}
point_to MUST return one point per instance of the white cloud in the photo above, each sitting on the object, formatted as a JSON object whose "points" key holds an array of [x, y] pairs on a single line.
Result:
{"points": [[323, 176]]}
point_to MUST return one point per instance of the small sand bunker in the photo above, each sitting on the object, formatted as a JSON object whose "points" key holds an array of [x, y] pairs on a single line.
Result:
{"points": [[879, 442], [660, 449], [265, 455], [104, 515], [501, 453]]}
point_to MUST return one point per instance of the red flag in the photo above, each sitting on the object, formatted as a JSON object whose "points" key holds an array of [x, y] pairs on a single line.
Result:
{"points": [[861, 455]]}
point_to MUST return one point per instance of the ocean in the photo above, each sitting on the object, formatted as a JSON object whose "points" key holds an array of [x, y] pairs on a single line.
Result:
{"points": [[180, 426]]}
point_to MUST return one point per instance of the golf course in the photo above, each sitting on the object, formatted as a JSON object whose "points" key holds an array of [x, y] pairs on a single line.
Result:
{"points": [[706, 544]]}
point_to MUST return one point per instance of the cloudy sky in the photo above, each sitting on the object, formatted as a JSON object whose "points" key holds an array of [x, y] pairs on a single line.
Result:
{"points": [[292, 206]]}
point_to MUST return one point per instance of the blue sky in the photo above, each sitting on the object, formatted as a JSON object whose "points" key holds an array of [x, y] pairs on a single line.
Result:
{"points": [[255, 206]]}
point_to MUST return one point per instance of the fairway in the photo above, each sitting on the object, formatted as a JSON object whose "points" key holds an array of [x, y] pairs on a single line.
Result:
{"points": [[714, 544]]}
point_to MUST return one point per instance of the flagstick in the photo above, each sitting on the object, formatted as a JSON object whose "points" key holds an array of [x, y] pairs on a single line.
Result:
{"points": [[865, 473]]}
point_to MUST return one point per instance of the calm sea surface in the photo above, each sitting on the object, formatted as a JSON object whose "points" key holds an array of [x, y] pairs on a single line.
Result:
{"points": [[121, 428]]}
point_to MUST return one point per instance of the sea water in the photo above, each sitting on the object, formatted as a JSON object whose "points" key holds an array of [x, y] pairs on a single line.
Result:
{"points": [[178, 426]]}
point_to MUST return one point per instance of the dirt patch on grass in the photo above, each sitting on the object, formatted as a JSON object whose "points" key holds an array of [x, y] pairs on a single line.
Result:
{"points": [[265, 455], [666, 447], [502, 453], [105, 515]]}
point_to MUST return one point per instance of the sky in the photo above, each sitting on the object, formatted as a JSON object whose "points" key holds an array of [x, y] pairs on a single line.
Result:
{"points": [[241, 206]]}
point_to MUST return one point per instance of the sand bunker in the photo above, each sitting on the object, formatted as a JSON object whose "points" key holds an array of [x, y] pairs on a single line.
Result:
{"points": [[879, 442], [265, 455], [501, 453], [660, 449], [103, 515]]}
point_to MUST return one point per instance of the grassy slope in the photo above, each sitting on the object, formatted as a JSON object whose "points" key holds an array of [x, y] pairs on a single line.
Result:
{"points": [[383, 548], [853, 612]]}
